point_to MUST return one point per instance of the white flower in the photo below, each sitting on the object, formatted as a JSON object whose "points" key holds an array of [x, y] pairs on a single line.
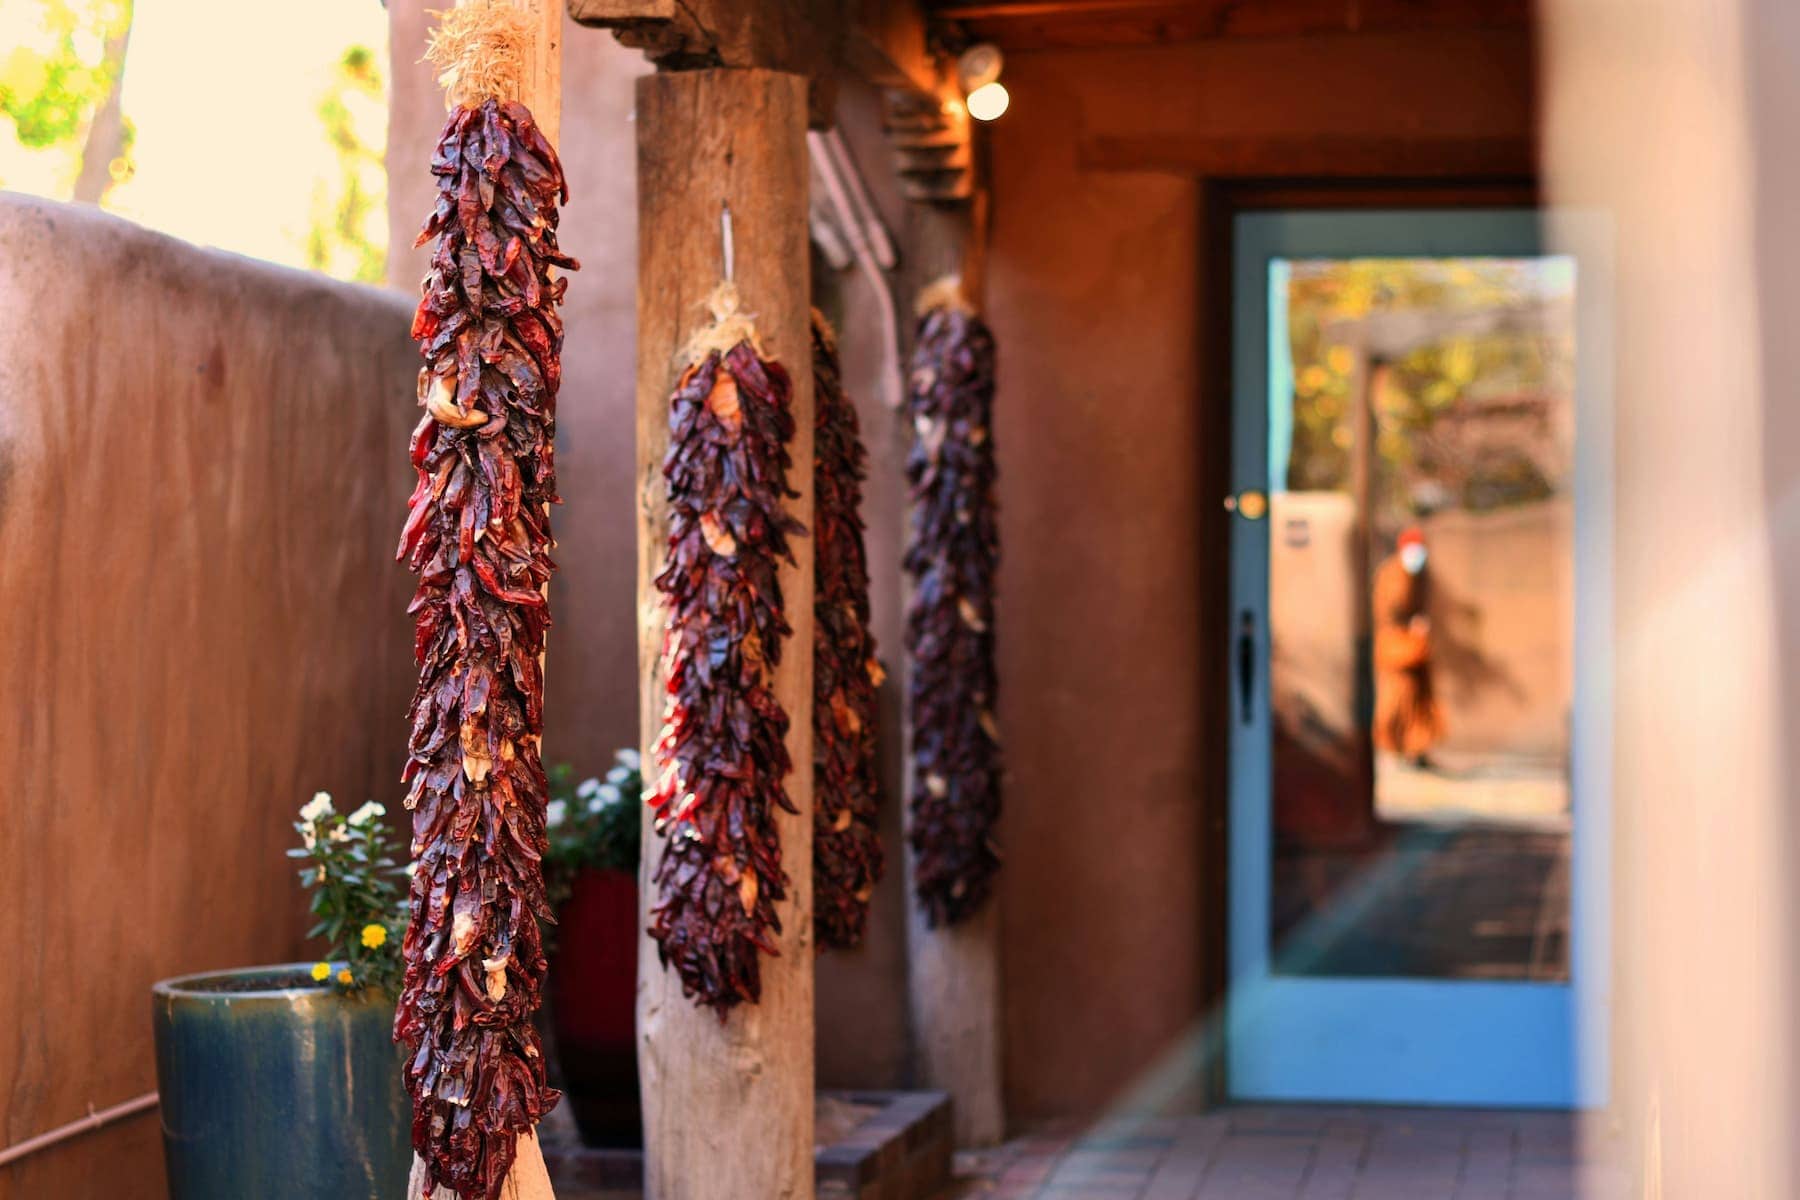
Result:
{"points": [[412, 868], [339, 834], [308, 837], [630, 759], [363, 815], [319, 806], [610, 794], [555, 813], [587, 788], [618, 775]]}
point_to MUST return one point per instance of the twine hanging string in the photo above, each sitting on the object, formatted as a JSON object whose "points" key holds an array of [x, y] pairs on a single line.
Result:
{"points": [[480, 52], [730, 324], [727, 250]]}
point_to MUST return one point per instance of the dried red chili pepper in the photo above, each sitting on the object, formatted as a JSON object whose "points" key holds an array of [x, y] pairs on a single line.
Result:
{"points": [[953, 557], [721, 757], [847, 857], [477, 534]]}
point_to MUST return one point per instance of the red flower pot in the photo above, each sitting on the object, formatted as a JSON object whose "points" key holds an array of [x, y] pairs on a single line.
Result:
{"points": [[593, 998]]}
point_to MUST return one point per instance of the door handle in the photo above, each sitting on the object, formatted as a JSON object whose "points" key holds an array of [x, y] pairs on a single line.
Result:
{"points": [[1251, 505], [1246, 664]]}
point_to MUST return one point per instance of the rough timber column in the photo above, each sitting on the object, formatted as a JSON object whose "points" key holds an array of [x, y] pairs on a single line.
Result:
{"points": [[728, 1107], [953, 978]]}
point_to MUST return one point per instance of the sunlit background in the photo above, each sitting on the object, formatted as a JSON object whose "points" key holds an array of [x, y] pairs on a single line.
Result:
{"points": [[189, 117]]}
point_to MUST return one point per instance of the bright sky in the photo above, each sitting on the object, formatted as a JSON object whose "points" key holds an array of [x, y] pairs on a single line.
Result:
{"points": [[225, 95]]}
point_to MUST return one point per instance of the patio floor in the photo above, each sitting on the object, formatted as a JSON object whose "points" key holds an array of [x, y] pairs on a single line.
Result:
{"points": [[1298, 1153]]}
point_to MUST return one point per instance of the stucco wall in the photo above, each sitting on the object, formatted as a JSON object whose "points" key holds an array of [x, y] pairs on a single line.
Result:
{"points": [[202, 475]]}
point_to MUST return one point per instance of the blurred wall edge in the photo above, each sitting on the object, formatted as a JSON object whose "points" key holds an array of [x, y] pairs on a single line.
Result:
{"points": [[202, 476], [1677, 119]]}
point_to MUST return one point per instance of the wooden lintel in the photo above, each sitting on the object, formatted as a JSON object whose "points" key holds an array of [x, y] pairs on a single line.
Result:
{"points": [[614, 12], [1034, 24], [1322, 157], [795, 37]]}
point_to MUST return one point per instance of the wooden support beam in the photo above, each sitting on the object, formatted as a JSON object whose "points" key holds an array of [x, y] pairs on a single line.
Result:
{"points": [[953, 985], [728, 1106], [528, 1180], [541, 89], [953, 976]]}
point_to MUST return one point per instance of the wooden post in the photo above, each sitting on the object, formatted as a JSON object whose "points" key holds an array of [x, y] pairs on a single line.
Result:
{"points": [[540, 88], [728, 1106], [953, 981]]}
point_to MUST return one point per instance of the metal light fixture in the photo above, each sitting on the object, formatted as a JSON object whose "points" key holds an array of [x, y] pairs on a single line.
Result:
{"points": [[978, 70]]}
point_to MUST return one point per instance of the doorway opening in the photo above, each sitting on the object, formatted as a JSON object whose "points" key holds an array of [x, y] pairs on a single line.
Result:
{"points": [[1414, 746]]}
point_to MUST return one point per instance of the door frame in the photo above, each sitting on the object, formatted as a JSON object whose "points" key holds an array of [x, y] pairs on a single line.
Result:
{"points": [[1222, 198], [1431, 1022]]}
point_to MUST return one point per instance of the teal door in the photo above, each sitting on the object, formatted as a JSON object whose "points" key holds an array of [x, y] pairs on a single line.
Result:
{"points": [[1420, 659]]}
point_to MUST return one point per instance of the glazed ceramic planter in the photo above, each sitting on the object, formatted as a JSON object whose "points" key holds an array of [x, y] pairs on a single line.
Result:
{"points": [[593, 990], [274, 1086]]}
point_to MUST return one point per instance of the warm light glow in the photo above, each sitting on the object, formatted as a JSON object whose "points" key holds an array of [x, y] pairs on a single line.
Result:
{"points": [[988, 101]]}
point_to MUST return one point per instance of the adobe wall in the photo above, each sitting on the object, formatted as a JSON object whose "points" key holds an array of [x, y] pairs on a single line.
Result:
{"points": [[202, 478]]}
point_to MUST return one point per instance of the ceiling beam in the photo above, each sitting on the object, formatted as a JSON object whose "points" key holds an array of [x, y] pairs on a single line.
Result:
{"points": [[1038, 24], [1325, 156]]}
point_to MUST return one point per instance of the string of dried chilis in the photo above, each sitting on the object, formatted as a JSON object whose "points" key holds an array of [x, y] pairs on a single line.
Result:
{"points": [[847, 856], [478, 536], [721, 757], [952, 558]]}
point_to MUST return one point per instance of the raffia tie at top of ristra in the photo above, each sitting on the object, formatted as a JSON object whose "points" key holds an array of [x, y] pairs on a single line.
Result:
{"points": [[945, 292], [480, 52], [730, 327]]}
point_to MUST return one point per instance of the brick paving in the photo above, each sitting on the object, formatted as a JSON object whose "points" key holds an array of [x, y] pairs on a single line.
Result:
{"points": [[1297, 1153]]}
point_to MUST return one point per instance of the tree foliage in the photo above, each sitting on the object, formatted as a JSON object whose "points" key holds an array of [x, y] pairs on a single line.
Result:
{"points": [[1471, 420], [348, 236], [54, 76]]}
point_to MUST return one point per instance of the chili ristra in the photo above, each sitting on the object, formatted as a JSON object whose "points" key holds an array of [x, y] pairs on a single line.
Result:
{"points": [[847, 858], [721, 757], [478, 536], [952, 557]]}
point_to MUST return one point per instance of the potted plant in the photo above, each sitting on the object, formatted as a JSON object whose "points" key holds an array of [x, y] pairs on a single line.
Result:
{"points": [[270, 1076], [591, 872]]}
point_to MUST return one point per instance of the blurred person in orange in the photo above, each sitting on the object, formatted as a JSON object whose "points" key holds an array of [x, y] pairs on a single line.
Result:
{"points": [[1408, 719]]}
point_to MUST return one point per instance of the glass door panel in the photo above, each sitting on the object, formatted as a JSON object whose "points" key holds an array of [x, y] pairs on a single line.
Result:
{"points": [[1404, 870]]}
